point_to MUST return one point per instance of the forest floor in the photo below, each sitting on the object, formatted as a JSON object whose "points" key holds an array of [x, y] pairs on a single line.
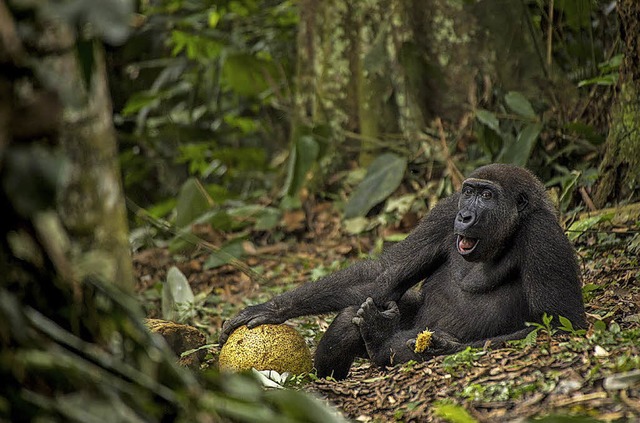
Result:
{"points": [[595, 376]]}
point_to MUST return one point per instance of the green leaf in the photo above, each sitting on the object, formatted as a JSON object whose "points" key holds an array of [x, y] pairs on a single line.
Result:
{"points": [[578, 227], [139, 101], [245, 74], [519, 104], [214, 18], [489, 119], [518, 152], [606, 80], [303, 156], [383, 177], [453, 413], [177, 296], [193, 201]]}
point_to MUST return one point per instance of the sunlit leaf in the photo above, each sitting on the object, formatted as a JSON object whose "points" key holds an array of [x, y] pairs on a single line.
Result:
{"points": [[578, 227], [177, 296], [214, 18], [453, 413], [383, 177], [606, 80]]}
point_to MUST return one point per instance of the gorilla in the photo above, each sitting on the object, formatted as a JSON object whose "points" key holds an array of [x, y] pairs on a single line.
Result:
{"points": [[479, 266]]}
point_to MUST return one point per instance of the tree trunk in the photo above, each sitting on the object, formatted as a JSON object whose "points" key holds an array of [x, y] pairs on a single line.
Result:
{"points": [[620, 167], [371, 75], [91, 201]]}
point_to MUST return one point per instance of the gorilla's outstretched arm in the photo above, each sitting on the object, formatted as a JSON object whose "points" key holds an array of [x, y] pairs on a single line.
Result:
{"points": [[386, 279]]}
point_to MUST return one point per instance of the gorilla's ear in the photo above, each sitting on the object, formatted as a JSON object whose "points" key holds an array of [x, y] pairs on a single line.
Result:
{"points": [[523, 202]]}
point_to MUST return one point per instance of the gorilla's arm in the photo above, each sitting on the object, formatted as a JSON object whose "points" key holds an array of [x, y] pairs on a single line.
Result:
{"points": [[551, 273], [393, 347], [385, 279], [401, 347]]}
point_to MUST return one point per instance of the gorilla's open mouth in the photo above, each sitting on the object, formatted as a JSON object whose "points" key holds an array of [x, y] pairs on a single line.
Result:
{"points": [[466, 245]]}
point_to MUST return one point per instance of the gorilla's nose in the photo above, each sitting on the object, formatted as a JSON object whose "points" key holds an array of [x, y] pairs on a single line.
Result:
{"points": [[464, 220]]}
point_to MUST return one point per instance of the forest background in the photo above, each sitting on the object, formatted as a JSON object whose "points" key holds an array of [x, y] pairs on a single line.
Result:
{"points": [[226, 132]]}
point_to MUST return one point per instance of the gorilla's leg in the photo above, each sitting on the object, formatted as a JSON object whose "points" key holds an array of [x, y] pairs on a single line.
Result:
{"points": [[384, 330], [339, 346]]}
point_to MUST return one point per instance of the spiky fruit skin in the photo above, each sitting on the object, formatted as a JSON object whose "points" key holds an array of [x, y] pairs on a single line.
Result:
{"points": [[266, 347]]}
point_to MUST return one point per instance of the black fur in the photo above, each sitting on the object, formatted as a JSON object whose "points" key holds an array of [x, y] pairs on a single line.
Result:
{"points": [[521, 267]]}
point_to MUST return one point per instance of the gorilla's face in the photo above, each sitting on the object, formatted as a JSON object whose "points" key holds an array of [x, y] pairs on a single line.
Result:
{"points": [[486, 217]]}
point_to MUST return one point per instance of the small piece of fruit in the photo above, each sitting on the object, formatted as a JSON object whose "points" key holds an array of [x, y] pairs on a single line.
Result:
{"points": [[423, 340]]}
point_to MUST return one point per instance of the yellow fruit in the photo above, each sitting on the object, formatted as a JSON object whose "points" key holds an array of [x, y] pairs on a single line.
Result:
{"points": [[267, 347], [422, 341]]}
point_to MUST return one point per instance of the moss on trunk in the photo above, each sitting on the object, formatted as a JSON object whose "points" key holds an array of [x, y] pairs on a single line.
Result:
{"points": [[620, 167]]}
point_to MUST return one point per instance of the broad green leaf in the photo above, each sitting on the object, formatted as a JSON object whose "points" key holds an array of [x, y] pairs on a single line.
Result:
{"points": [[578, 227], [453, 413], [518, 152], [214, 18], [489, 119], [606, 80], [193, 201], [303, 156], [612, 64], [245, 74], [519, 104], [177, 296], [383, 177]]}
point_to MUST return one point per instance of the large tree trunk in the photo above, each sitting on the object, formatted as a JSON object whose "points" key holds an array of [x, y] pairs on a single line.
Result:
{"points": [[373, 74], [620, 167], [91, 201]]}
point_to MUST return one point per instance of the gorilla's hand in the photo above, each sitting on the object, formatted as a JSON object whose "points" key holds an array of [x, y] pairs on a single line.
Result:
{"points": [[444, 343], [251, 316]]}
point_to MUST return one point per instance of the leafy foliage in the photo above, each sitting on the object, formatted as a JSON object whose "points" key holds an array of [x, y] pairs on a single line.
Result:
{"points": [[211, 106], [513, 139], [383, 177]]}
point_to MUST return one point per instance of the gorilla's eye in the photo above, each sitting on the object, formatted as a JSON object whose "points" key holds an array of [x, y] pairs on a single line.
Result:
{"points": [[486, 194], [467, 191]]}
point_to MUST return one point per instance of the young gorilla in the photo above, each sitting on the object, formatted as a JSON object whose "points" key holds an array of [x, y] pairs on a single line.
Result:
{"points": [[491, 257]]}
